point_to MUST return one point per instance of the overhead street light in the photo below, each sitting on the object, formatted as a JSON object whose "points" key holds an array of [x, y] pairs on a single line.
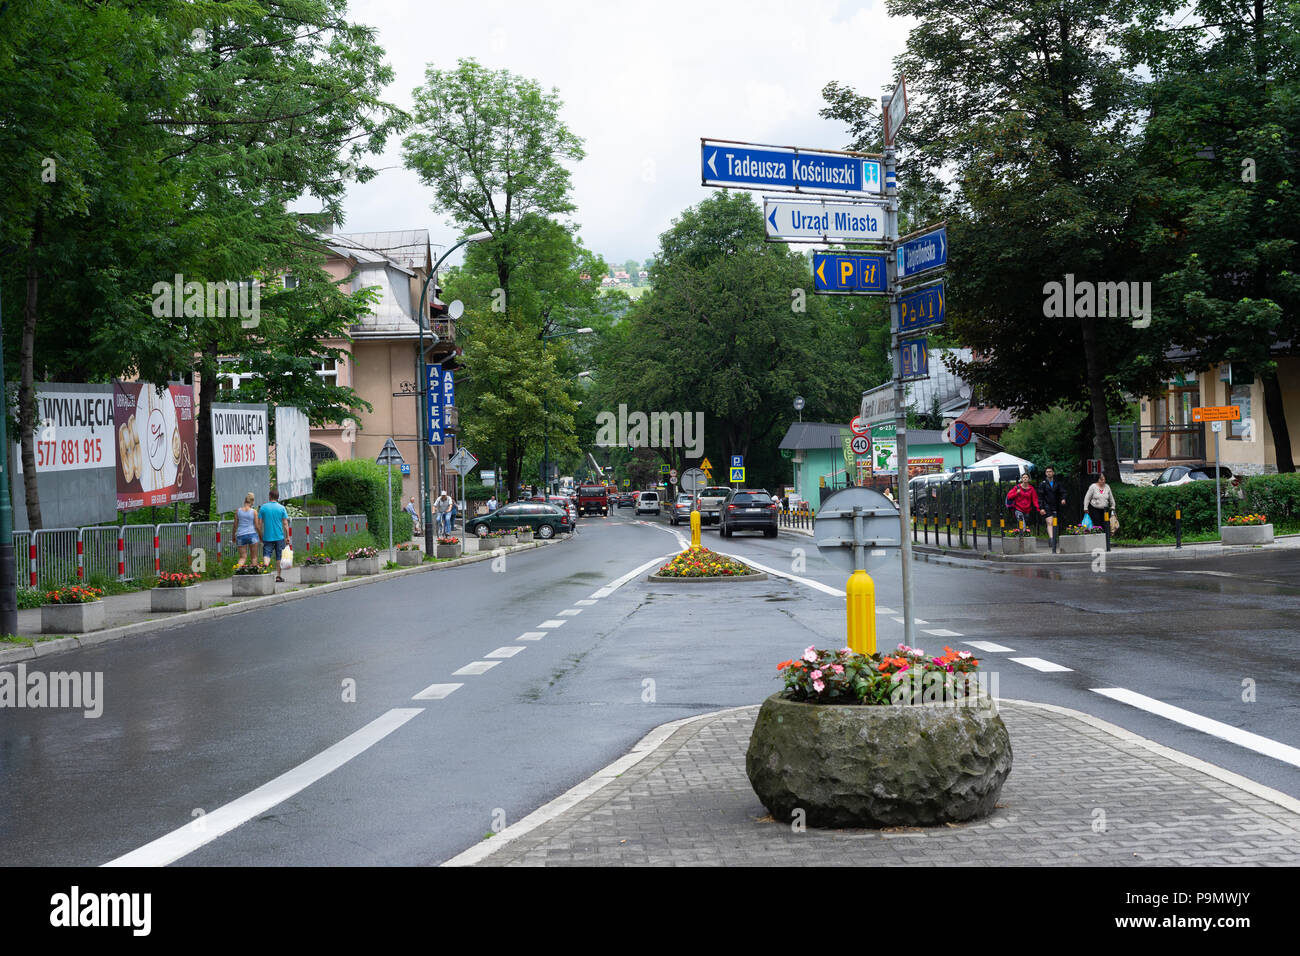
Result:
{"points": [[546, 412]]}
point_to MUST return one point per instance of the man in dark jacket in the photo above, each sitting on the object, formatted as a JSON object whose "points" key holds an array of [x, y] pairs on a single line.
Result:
{"points": [[1051, 496]]}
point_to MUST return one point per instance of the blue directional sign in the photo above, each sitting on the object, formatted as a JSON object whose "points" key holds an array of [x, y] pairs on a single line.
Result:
{"points": [[737, 461], [448, 388], [785, 168], [922, 309], [923, 253], [915, 359], [433, 384], [849, 273]]}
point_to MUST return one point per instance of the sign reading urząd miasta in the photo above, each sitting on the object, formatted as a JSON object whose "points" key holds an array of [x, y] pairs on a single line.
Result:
{"points": [[788, 168], [819, 221]]}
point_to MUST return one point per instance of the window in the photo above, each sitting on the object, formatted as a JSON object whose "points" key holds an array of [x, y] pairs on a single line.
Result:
{"points": [[229, 381], [290, 281], [328, 369], [1239, 395]]}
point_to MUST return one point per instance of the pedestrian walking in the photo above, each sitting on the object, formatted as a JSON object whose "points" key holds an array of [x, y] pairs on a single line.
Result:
{"points": [[273, 529], [415, 517], [1098, 501], [443, 506], [1023, 500], [245, 532], [1051, 495]]}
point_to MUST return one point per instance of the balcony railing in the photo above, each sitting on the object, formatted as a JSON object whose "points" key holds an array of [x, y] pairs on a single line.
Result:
{"points": [[1138, 443], [445, 329]]}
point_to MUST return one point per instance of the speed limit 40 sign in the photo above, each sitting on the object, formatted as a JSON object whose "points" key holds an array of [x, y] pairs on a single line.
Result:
{"points": [[860, 445]]}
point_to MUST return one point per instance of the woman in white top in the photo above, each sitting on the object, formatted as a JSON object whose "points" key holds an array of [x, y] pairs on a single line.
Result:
{"points": [[1099, 500]]}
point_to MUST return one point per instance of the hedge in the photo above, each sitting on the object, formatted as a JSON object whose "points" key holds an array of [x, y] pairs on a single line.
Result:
{"points": [[360, 486], [1149, 512], [1277, 496]]}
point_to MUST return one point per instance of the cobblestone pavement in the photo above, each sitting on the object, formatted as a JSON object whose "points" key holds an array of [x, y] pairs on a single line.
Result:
{"points": [[1078, 794]]}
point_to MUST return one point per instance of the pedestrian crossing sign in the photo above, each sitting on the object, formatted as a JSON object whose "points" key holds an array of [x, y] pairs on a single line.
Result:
{"points": [[738, 475]]}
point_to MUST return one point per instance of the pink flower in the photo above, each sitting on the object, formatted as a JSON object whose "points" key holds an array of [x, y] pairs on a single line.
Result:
{"points": [[816, 675], [847, 650], [810, 655], [837, 668], [818, 686]]}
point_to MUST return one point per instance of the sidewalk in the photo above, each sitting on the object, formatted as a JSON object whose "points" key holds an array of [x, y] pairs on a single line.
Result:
{"points": [[129, 614], [1081, 792]]}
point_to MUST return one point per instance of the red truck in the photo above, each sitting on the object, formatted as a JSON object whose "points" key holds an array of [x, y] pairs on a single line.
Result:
{"points": [[593, 499]]}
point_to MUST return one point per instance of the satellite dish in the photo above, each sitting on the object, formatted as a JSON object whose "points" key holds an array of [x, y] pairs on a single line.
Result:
{"points": [[456, 309], [964, 392]]}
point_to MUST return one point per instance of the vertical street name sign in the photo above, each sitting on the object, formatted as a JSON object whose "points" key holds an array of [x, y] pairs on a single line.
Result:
{"points": [[788, 169], [433, 387]]}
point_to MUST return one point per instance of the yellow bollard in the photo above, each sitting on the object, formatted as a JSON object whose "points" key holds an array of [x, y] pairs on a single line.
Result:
{"points": [[695, 529], [860, 599]]}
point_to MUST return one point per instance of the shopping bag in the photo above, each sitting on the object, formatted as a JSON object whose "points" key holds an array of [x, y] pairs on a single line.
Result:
{"points": [[286, 558], [1087, 521], [1114, 524]]}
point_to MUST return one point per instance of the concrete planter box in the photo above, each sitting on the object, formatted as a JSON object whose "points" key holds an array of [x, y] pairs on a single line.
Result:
{"points": [[1020, 545], [1080, 543], [509, 541], [320, 573], [470, 544], [242, 585], [410, 557], [448, 551], [363, 565], [175, 599], [72, 618], [1247, 534], [881, 766]]}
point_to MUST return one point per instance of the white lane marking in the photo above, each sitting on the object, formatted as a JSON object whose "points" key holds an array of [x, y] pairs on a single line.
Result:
{"points": [[477, 667], [943, 632], [570, 611], [551, 624], [989, 646], [916, 619], [1038, 664], [1217, 574], [815, 585], [585, 602], [437, 691], [507, 651], [886, 610], [617, 583], [531, 636], [1215, 728], [170, 848]]}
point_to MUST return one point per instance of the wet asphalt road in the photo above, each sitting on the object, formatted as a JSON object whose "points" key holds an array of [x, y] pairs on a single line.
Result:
{"points": [[199, 716]]}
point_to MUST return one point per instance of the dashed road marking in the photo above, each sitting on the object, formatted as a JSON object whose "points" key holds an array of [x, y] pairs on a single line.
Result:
{"points": [[551, 624], [989, 647], [507, 651], [437, 691], [886, 610], [185, 840], [1038, 664], [916, 619], [570, 611], [476, 667], [943, 632], [531, 636], [1215, 728], [585, 602]]}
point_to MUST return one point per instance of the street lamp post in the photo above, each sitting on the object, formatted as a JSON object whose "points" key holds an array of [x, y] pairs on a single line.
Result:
{"points": [[424, 387], [546, 411]]}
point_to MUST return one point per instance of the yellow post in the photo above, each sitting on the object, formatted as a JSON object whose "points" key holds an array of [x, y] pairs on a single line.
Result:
{"points": [[695, 529], [860, 598]]}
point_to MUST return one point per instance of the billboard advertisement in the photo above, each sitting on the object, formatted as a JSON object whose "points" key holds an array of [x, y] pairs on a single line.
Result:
{"points": [[292, 452], [156, 445], [240, 463]]}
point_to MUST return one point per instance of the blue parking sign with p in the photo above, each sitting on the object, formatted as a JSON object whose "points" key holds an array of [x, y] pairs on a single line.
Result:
{"points": [[737, 461]]}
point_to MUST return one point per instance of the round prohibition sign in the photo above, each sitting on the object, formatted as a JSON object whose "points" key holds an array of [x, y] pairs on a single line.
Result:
{"points": [[860, 445]]}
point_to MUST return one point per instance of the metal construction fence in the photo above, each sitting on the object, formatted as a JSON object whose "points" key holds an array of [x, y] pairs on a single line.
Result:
{"points": [[57, 556]]}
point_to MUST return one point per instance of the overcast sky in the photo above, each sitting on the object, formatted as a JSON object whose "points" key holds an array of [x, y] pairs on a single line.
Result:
{"points": [[640, 84]]}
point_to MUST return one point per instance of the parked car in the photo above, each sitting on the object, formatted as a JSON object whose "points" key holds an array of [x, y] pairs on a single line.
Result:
{"points": [[749, 509], [647, 502], [711, 499], [561, 501], [546, 520], [1182, 474], [680, 510]]}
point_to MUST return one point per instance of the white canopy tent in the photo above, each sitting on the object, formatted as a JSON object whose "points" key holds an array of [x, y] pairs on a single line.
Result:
{"points": [[1001, 458]]}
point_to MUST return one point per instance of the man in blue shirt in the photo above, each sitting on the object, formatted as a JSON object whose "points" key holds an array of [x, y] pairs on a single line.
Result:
{"points": [[273, 529]]}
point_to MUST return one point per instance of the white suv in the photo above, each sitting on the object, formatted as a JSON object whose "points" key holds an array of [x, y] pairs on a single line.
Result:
{"points": [[648, 503]]}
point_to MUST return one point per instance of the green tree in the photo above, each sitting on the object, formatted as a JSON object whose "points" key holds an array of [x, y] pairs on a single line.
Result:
{"points": [[1049, 438]]}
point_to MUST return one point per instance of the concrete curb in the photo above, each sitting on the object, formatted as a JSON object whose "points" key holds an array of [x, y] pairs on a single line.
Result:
{"points": [[656, 739], [60, 645], [756, 576]]}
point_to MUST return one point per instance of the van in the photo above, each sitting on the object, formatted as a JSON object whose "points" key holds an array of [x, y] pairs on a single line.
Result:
{"points": [[648, 502]]}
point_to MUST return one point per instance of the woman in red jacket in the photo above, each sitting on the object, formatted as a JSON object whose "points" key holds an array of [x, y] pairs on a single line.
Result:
{"points": [[1021, 498]]}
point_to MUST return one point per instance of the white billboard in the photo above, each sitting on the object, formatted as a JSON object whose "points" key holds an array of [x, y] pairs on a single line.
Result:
{"points": [[292, 452]]}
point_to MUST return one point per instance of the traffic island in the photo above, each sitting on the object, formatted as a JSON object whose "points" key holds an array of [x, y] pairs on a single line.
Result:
{"points": [[699, 564]]}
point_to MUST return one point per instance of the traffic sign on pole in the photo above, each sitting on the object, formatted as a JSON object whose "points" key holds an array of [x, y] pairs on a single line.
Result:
{"points": [[859, 425], [389, 455], [1217, 413], [897, 112], [915, 359], [921, 309], [737, 461], [960, 434], [860, 445], [923, 253], [738, 475], [808, 221], [848, 273], [788, 169]]}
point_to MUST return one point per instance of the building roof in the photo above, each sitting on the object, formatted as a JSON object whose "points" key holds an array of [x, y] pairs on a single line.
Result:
{"points": [[812, 435], [410, 248], [987, 417]]}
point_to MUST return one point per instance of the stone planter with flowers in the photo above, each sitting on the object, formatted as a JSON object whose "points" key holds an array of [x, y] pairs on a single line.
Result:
{"points": [[1015, 542], [1077, 539], [409, 554], [320, 568], [176, 591], [448, 547], [253, 579], [363, 561], [879, 740], [1247, 529], [72, 610]]}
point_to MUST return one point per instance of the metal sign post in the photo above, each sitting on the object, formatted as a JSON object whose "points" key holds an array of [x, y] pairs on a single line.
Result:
{"points": [[388, 457], [1217, 427]]}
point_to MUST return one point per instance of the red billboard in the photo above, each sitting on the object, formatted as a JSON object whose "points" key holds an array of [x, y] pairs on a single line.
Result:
{"points": [[157, 445]]}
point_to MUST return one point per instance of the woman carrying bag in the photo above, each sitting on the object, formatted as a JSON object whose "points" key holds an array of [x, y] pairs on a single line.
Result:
{"points": [[1099, 501]]}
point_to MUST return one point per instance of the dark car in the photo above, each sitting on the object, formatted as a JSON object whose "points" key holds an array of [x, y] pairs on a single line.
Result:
{"points": [[625, 500], [546, 520], [563, 502], [680, 510], [749, 509]]}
